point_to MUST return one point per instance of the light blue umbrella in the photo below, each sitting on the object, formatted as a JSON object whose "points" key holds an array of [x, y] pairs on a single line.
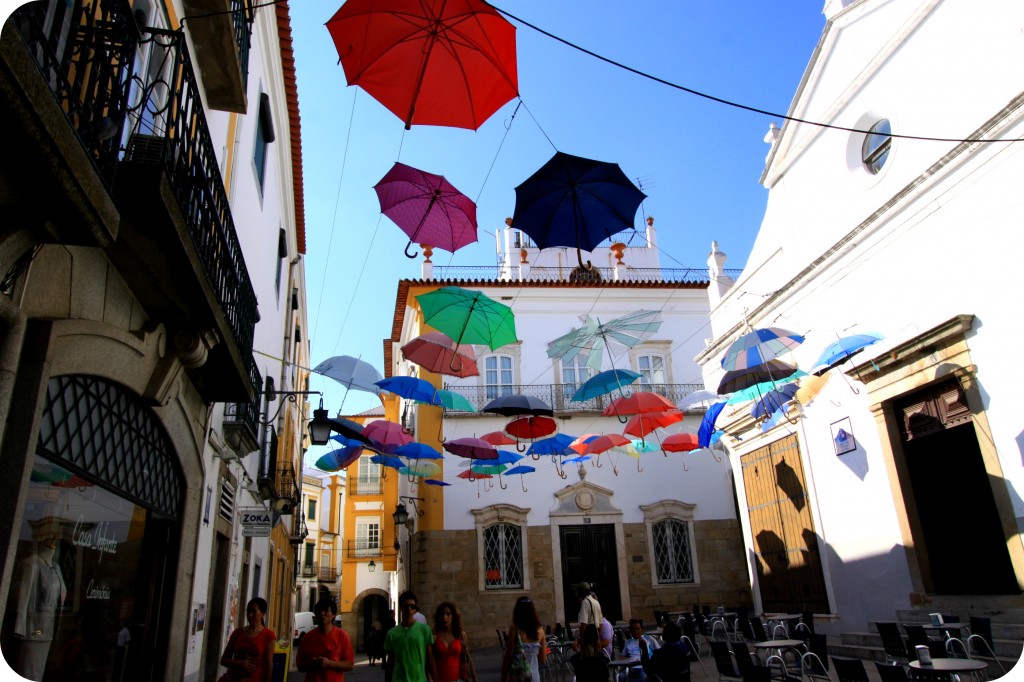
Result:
{"points": [[758, 346], [841, 350], [604, 383], [596, 336], [451, 400], [350, 372]]}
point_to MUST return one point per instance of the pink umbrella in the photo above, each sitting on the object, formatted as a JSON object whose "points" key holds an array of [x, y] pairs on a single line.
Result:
{"points": [[437, 352], [471, 448], [498, 438], [427, 208], [386, 435]]}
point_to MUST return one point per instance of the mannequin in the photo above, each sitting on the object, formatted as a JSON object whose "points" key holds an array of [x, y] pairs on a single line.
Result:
{"points": [[40, 594]]}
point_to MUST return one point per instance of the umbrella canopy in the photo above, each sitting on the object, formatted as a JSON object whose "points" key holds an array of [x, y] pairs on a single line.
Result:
{"points": [[386, 435], [639, 402], [412, 388], [434, 481], [581, 442], [697, 397], [604, 382], [471, 448], [429, 62], [739, 379], [595, 336], [350, 372], [339, 459], [641, 424], [680, 442], [758, 346], [516, 404], [450, 400], [468, 316], [416, 451], [604, 443], [421, 468], [387, 461], [842, 349], [473, 475], [757, 390], [810, 387], [707, 425], [427, 208], [576, 202], [773, 400], [557, 444], [498, 438], [437, 352], [520, 469], [531, 428]]}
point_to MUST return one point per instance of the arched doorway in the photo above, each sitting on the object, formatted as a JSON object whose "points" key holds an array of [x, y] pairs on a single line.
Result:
{"points": [[374, 609]]}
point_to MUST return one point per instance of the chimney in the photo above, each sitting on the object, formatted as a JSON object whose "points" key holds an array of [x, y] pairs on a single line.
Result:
{"points": [[720, 282]]}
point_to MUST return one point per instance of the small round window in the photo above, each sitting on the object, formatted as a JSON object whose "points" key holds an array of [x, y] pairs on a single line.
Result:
{"points": [[876, 146]]}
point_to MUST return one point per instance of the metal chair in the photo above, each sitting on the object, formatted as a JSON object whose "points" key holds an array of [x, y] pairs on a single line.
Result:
{"points": [[757, 628], [892, 642], [980, 640], [850, 670], [891, 673], [725, 661], [916, 636], [814, 663]]}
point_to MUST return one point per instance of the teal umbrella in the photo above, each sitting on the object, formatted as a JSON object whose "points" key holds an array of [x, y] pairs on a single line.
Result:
{"points": [[604, 383], [468, 316], [451, 400], [595, 336]]}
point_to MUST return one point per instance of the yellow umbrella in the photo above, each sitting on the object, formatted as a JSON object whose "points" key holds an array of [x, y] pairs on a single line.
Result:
{"points": [[810, 387]]}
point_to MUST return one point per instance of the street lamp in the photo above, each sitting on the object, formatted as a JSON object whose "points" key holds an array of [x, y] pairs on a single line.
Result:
{"points": [[321, 426], [371, 567], [401, 515]]}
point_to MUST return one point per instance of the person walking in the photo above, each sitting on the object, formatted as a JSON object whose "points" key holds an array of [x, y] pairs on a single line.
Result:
{"points": [[589, 663], [451, 647], [249, 653], [325, 653], [590, 608], [671, 662], [408, 647], [526, 640]]}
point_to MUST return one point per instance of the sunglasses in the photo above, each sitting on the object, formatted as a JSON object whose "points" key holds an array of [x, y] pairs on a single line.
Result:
{"points": [[411, 607]]}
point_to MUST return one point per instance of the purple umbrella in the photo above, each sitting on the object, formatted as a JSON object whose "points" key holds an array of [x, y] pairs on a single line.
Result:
{"points": [[427, 208]]}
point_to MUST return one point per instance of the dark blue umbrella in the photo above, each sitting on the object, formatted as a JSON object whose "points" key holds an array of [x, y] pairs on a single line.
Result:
{"points": [[773, 400], [416, 451], [557, 444], [576, 202], [707, 425], [412, 388], [605, 382]]}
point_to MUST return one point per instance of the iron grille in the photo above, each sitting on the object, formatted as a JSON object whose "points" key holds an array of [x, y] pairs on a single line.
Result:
{"points": [[563, 274], [503, 557], [99, 428], [672, 556], [226, 506]]}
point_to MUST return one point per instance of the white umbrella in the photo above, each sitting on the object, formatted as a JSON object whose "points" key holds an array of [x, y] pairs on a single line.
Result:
{"points": [[697, 397], [350, 372]]}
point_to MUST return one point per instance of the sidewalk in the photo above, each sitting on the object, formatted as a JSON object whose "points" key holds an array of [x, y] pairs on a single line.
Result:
{"points": [[487, 661]]}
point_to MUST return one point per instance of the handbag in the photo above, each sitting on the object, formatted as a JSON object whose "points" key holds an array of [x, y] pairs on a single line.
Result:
{"points": [[519, 669], [467, 671]]}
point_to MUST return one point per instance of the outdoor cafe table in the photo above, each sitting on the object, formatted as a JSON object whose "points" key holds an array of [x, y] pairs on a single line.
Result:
{"points": [[946, 629], [954, 665], [781, 619], [794, 645]]}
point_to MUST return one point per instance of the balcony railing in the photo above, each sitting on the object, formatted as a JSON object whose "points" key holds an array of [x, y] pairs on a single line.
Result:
{"points": [[242, 419], [362, 549], [308, 570], [285, 482], [485, 272], [328, 574], [372, 486], [559, 396]]}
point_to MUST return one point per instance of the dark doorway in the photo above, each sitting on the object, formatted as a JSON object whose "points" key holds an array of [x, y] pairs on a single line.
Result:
{"points": [[588, 554], [215, 608], [953, 513], [375, 609]]}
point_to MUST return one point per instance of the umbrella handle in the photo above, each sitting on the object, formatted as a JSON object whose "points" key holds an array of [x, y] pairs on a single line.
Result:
{"points": [[615, 468], [597, 461], [685, 467], [620, 418], [535, 457], [407, 254], [638, 465], [502, 484], [579, 255], [523, 481], [558, 467], [520, 446], [717, 459]]}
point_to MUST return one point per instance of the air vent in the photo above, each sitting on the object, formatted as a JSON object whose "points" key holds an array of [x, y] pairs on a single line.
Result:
{"points": [[226, 508]]}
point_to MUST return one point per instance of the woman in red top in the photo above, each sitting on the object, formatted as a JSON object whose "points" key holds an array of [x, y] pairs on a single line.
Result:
{"points": [[325, 654], [451, 650], [249, 654]]}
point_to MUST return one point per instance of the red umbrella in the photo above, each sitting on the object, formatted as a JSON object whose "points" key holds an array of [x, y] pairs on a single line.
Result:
{"points": [[498, 438], [471, 448], [531, 428], [430, 62], [680, 442], [386, 435], [604, 443], [580, 444], [641, 424], [437, 352], [427, 208], [638, 402], [472, 475]]}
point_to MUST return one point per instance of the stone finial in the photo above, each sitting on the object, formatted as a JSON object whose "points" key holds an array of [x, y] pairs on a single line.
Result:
{"points": [[618, 248], [428, 251], [716, 259], [522, 257], [650, 221], [508, 222]]}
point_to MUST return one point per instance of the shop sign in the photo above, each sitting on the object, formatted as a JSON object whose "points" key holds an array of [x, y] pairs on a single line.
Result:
{"points": [[256, 522]]}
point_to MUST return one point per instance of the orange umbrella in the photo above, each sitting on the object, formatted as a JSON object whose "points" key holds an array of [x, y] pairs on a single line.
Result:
{"points": [[580, 444], [641, 424], [810, 386]]}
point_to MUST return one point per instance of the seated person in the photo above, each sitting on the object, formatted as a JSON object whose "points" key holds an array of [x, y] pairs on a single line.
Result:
{"points": [[631, 649], [589, 663], [671, 663]]}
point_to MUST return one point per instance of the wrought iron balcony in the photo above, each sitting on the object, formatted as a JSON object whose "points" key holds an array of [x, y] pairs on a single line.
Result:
{"points": [[299, 530], [370, 486], [241, 420], [308, 570], [222, 42], [484, 273], [362, 549], [285, 482], [328, 574], [559, 396]]}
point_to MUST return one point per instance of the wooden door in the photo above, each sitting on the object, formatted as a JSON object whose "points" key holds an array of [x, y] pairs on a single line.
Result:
{"points": [[588, 554]]}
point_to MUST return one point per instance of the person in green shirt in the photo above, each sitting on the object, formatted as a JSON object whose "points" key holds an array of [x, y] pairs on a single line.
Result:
{"points": [[408, 655]]}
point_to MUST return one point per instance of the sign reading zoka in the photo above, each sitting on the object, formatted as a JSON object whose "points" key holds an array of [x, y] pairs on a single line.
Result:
{"points": [[256, 522]]}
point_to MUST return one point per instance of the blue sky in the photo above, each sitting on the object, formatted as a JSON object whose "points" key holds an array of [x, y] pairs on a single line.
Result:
{"points": [[698, 161]]}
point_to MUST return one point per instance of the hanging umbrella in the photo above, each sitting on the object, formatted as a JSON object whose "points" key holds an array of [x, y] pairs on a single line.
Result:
{"points": [[339, 459], [429, 62], [435, 482], [498, 438], [473, 475], [471, 448], [576, 202], [468, 316], [520, 470], [697, 397], [412, 388], [680, 442], [580, 444], [350, 372], [776, 418], [417, 451], [386, 435], [421, 469], [605, 442], [772, 401], [739, 379], [842, 349], [450, 400], [595, 336], [516, 404], [639, 402], [604, 383], [427, 208], [579, 458], [641, 424], [387, 461], [759, 346], [437, 352], [530, 428], [810, 387], [756, 390], [557, 444], [707, 425]]}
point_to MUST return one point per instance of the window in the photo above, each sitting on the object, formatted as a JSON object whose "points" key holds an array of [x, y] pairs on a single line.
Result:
{"points": [[311, 512], [264, 136], [367, 480], [498, 375], [877, 142], [282, 254], [367, 536], [574, 373], [503, 557], [308, 559], [673, 559], [651, 368]]}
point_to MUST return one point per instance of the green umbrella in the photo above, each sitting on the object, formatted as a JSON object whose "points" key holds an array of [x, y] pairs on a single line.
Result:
{"points": [[468, 316], [451, 400]]}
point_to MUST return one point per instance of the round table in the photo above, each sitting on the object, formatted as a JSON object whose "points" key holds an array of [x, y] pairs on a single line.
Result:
{"points": [[793, 644], [953, 665]]}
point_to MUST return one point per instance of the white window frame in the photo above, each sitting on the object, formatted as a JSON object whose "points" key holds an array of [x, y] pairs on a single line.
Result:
{"points": [[365, 543], [670, 510], [368, 477], [499, 387], [652, 349], [502, 514]]}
